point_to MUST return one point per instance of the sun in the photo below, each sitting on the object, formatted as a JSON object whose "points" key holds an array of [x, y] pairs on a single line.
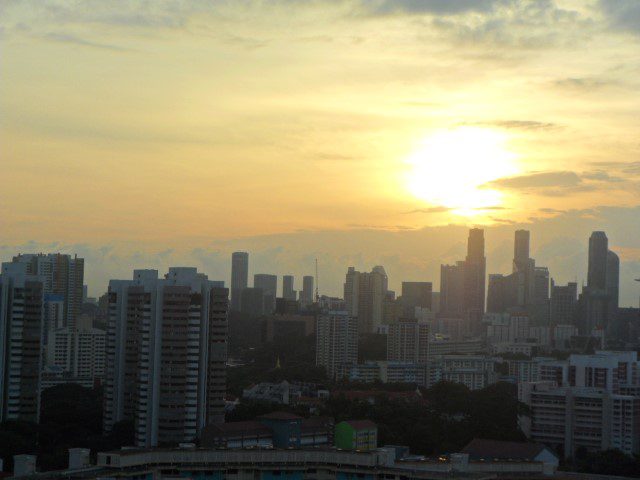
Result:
{"points": [[452, 167]]}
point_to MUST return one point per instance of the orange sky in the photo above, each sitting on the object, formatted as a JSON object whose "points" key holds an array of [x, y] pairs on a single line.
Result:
{"points": [[171, 125]]}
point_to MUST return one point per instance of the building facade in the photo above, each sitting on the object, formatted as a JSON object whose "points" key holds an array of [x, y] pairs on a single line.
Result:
{"points": [[166, 350]]}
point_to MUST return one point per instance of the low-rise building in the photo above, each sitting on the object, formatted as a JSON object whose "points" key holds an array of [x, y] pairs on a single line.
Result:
{"points": [[356, 435], [474, 371], [569, 418]]}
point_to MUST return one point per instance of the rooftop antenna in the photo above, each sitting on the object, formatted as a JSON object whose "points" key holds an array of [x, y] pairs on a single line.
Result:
{"points": [[317, 296]]}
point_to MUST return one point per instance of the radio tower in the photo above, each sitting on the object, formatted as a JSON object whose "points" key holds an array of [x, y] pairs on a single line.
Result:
{"points": [[317, 296]]}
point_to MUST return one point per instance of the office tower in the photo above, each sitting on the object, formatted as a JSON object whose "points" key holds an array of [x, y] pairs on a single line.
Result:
{"points": [[392, 309], [288, 293], [21, 319], [612, 280], [474, 280], [497, 293], [597, 271], [252, 301], [307, 291], [166, 350], [336, 341], [452, 290], [408, 341], [239, 277], [63, 276], [364, 294], [539, 304], [379, 269], [521, 250], [415, 294], [564, 299], [269, 285]]}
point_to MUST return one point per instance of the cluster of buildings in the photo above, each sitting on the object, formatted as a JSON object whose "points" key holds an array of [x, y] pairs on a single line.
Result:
{"points": [[260, 299], [161, 349], [44, 337]]}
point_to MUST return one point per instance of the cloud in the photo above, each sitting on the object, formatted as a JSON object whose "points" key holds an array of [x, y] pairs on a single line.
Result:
{"points": [[601, 176], [72, 39], [422, 7], [538, 180], [575, 83], [622, 14], [516, 124], [429, 210]]}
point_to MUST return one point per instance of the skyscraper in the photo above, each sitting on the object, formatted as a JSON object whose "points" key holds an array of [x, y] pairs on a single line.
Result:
{"points": [[521, 250], [239, 277], [288, 292], [364, 294], [63, 276], [474, 279], [307, 291], [563, 303], [415, 294], [166, 349], [612, 283], [336, 341], [597, 271], [269, 285], [21, 318], [452, 290]]}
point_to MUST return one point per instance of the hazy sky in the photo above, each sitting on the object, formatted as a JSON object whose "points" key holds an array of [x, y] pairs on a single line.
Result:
{"points": [[363, 132]]}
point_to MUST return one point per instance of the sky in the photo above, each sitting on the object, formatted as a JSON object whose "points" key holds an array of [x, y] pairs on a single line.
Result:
{"points": [[359, 132]]}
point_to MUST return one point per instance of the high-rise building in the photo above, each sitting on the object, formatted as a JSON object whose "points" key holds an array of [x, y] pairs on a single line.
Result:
{"points": [[452, 290], [78, 351], [252, 302], [563, 303], [21, 321], [166, 350], [288, 292], [521, 250], [597, 271], [364, 294], [408, 341], [306, 298], [336, 341], [239, 277], [474, 280], [415, 294], [269, 285], [63, 276], [612, 283]]}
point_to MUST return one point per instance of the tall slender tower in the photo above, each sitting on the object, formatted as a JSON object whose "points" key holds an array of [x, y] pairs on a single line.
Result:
{"points": [[288, 291], [474, 279], [239, 277], [597, 271]]}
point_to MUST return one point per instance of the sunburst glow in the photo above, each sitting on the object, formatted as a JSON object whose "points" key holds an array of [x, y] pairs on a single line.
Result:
{"points": [[451, 168]]}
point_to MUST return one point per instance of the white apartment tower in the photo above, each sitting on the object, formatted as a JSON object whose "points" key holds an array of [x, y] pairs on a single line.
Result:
{"points": [[166, 351], [336, 341], [21, 319]]}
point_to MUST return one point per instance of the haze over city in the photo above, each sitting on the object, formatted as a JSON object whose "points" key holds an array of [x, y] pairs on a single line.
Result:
{"points": [[357, 132]]}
